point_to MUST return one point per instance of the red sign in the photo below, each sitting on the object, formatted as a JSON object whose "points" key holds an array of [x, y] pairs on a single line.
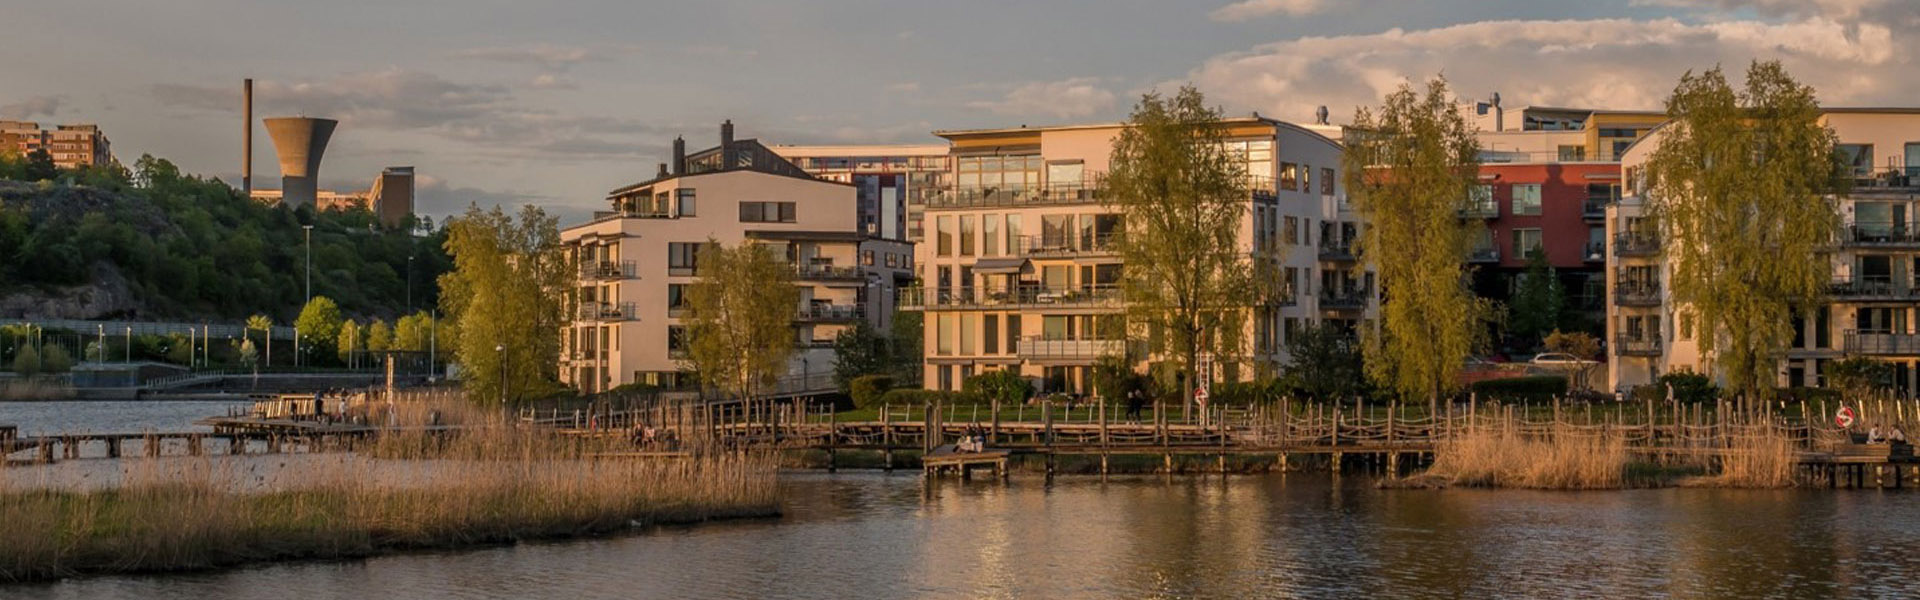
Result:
{"points": [[1200, 396], [1843, 418]]}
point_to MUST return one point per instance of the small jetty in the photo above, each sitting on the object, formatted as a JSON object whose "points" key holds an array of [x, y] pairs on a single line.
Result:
{"points": [[949, 459]]}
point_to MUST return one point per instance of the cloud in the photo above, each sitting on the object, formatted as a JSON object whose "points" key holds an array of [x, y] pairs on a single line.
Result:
{"points": [[1066, 99], [549, 56], [904, 87], [481, 116], [1836, 9], [33, 106], [1254, 9], [1612, 63], [550, 81]]}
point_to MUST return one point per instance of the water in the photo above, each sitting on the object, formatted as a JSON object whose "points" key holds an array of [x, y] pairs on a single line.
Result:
{"points": [[880, 536], [111, 416]]}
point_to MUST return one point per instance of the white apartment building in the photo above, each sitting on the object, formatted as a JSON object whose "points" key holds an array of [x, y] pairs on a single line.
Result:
{"points": [[1017, 271], [893, 182], [637, 261], [1875, 291]]}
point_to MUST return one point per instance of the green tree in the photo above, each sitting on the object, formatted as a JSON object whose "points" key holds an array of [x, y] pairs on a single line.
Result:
{"points": [[1738, 185], [1409, 170], [40, 166], [1324, 364], [1580, 345], [906, 345], [412, 332], [54, 359], [264, 325], [250, 355], [504, 300], [859, 350], [352, 339], [319, 326], [739, 317], [379, 336], [1004, 385], [1536, 305], [1183, 195], [1859, 377]]}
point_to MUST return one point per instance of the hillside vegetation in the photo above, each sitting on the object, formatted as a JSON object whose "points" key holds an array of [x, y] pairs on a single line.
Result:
{"points": [[157, 244]]}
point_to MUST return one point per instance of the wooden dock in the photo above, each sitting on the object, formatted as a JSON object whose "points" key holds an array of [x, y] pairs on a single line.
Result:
{"points": [[948, 459]]}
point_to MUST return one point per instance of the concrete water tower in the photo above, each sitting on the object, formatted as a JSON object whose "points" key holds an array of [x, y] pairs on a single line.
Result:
{"points": [[299, 141]]}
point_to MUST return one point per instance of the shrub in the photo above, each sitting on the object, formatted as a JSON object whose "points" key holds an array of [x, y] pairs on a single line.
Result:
{"points": [[1241, 393], [1538, 387], [869, 390], [1006, 386], [55, 360]]}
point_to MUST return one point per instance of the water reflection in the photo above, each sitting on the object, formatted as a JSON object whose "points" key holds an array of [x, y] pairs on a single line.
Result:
{"points": [[888, 536]]}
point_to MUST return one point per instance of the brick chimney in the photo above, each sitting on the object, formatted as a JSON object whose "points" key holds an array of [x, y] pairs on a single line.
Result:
{"points": [[679, 155]]}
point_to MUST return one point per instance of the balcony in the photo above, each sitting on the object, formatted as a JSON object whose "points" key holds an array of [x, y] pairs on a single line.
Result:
{"points": [[607, 269], [1087, 190], [1880, 343], [1042, 348], [1635, 243], [1336, 250], [1871, 287], [1627, 292], [1488, 254], [1594, 208], [1636, 345], [1596, 252], [1023, 295], [606, 311], [1065, 245], [820, 312], [1870, 234], [828, 273], [1480, 209], [1352, 299]]}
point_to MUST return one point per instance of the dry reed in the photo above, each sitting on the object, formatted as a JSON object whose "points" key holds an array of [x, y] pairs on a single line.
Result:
{"points": [[490, 485], [1565, 461]]}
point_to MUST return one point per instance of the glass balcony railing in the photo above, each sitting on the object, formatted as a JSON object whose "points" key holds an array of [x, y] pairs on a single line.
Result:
{"points": [[914, 298]]}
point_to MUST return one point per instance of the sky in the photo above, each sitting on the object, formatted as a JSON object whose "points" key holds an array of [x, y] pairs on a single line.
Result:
{"points": [[556, 102]]}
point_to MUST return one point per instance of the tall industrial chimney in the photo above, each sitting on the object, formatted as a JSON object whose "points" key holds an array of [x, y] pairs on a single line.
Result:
{"points": [[246, 160], [300, 141]]}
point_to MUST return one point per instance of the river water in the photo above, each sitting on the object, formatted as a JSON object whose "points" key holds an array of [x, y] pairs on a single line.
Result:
{"points": [[873, 535], [111, 416]]}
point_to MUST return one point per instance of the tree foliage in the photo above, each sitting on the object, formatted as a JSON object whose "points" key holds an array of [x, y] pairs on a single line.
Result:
{"points": [[1324, 364], [739, 317], [1409, 170], [860, 350], [1580, 345], [319, 325], [353, 338], [503, 300], [379, 336], [1859, 377], [1535, 309], [1003, 385], [1183, 195], [1738, 186]]}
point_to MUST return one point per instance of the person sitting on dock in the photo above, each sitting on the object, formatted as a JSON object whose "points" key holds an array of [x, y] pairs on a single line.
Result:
{"points": [[1875, 436], [1895, 435]]}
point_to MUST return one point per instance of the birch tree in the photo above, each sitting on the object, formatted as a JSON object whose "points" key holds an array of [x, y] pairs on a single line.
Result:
{"points": [[1739, 185], [1408, 170], [504, 300], [1183, 196], [739, 317]]}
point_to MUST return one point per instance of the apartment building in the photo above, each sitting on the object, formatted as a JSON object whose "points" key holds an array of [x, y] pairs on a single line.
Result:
{"points": [[390, 198], [1019, 271], [70, 146], [893, 181], [1875, 291], [638, 259]]}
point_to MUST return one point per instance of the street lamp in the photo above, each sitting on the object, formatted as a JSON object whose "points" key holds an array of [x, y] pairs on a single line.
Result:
{"points": [[502, 349], [309, 229], [409, 283]]}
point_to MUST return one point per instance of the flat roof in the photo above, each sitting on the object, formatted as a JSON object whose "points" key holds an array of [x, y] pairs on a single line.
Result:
{"points": [[948, 133], [859, 149]]}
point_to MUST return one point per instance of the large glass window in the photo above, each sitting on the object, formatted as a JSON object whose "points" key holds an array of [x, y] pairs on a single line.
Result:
{"points": [[766, 212], [685, 199], [1525, 241], [990, 235], [681, 257], [1526, 199], [969, 323], [943, 336], [1013, 234], [966, 235], [1004, 172], [943, 234], [1858, 157]]}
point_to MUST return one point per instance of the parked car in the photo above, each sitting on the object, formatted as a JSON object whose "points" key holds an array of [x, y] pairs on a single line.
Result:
{"points": [[1558, 359]]}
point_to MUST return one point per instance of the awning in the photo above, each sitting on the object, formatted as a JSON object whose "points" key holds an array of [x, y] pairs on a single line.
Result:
{"points": [[992, 266]]}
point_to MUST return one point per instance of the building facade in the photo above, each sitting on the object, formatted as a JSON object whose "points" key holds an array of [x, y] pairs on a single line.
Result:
{"points": [[893, 181], [71, 146], [1872, 302], [1018, 271], [638, 260]]}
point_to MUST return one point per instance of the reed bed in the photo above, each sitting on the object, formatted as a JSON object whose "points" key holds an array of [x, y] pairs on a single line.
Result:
{"points": [[1565, 461], [491, 485]]}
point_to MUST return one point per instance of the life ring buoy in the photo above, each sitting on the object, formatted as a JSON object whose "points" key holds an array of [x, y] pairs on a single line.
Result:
{"points": [[1843, 417]]}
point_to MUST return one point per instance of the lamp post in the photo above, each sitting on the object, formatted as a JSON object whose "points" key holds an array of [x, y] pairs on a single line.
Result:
{"points": [[433, 344], [129, 345], [409, 283], [100, 356], [309, 229]]}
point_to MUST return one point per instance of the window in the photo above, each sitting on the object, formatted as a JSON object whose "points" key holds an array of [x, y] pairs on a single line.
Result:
{"points": [[943, 336], [1306, 178], [681, 257], [1001, 172], [766, 212], [990, 235], [1290, 230], [1289, 176], [1326, 181], [966, 235], [1480, 200], [1013, 332], [1525, 241], [943, 233], [676, 339], [991, 327], [1013, 234], [1858, 157], [969, 324], [1573, 153], [685, 201], [866, 257], [1526, 199], [676, 296]]}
